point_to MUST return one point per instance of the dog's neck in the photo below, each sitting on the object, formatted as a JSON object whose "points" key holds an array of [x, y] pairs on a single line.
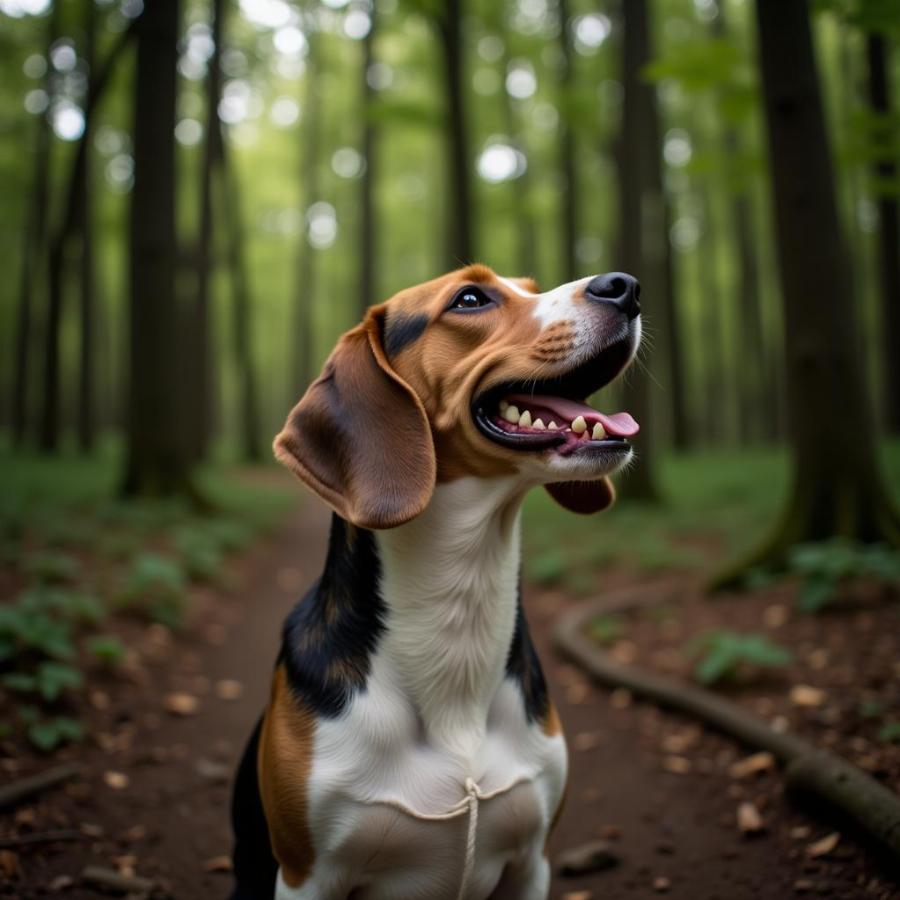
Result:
{"points": [[449, 582]]}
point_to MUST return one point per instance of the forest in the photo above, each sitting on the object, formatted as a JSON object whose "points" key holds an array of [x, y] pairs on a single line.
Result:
{"points": [[201, 196]]}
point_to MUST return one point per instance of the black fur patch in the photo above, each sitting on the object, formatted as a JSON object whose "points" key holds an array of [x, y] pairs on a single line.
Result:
{"points": [[329, 637], [524, 667], [401, 330]]}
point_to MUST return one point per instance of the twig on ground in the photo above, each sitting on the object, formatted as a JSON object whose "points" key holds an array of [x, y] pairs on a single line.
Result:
{"points": [[43, 837], [14, 793]]}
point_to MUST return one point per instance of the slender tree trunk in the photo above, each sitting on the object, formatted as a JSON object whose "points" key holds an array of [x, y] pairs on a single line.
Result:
{"points": [[301, 346], [87, 280], [157, 462], [637, 202], [837, 488], [568, 170], [460, 213], [885, 173], [34, 242], [242, 307], [367, 237], [199, 364]]}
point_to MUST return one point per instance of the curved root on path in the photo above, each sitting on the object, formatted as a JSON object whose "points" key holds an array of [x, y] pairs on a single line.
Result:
{"points": [[807, 769]]}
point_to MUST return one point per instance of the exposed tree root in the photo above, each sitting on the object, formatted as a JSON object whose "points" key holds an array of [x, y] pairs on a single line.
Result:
{"points": [[18, 791], [874, 808]]}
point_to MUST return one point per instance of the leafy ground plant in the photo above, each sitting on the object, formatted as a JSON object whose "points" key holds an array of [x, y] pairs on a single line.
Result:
{"points": [[156, 586], [722, 654]]}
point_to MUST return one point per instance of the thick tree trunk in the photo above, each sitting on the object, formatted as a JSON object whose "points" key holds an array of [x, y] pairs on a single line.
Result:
{"points": [[837, 488], [367, 234], [885, 173], [34, 242], [87, 280], [639, 206], [460, 213], [301, 339], [199, 382], [242, 308], [156, 463], [567, 167]]}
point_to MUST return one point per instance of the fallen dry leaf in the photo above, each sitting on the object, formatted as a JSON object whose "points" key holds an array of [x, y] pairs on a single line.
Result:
{"points": [[586, 740], [775, 616], [126, 864], [576, 693], [60, 883], [116, 780], [25, 817], [752, 765], [823, 846], [88, 829], [661, 884], [805, 695], [218, 864], [800, 832], [229, 689], [182, 704], [749, 821], [578, 895], [678, 765], [9, 864]]}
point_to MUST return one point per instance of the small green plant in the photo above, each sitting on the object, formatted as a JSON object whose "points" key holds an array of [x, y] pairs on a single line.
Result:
{"points": [[546, 568], [51, 567], [107, 648], [49, 679], [200, 553], [826, 568], [721, 654], [47, 733], [156, 586], [607, 629], [890, 733]]}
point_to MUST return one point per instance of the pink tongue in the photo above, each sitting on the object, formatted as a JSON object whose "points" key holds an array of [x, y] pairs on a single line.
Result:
{"points": [[619, 424]]}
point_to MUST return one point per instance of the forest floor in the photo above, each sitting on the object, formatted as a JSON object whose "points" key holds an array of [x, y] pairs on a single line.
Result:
{"points": [[168, 726]]}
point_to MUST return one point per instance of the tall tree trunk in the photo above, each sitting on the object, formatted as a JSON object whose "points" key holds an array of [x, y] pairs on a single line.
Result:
{"points": [[837, 487], [460, 213], [198, 362], [34, 242], [885, 172], [568, 170], [367, 242], [638, 203], [157, 462], [87, 280], [230, 203], [301, 339]]}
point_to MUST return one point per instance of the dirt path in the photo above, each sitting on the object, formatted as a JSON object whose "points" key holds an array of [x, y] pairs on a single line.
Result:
{"points": [[673, 830]]}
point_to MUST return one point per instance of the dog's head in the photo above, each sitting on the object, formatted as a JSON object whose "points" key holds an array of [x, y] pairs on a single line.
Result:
{"points": [[469, 374]]}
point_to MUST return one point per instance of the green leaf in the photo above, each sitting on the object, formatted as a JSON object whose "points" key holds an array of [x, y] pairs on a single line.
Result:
{"points": [[20, 681], [107, 648], [44, 735], [890, 733], [53, 678]]}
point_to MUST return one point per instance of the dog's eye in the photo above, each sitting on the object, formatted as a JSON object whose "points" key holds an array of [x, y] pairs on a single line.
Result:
{"points": [[471, 298]]}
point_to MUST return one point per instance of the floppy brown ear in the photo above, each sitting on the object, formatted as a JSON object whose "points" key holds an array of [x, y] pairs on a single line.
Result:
{"points": [[360, 438], [583, 497]]}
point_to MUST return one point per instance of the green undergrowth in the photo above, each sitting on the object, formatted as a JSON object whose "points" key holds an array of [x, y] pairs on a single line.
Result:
{"points": [[76, 556], [716, 505]]}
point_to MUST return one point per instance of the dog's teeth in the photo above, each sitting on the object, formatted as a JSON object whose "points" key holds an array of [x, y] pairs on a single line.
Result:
{"points": [[539, 425], [553, 426], [504, 406], [525, 419], [579, 426], [598, 433], [511, 414]]}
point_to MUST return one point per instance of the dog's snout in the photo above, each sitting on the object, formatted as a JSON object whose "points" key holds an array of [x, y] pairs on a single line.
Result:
{"points": [[621, 290]]}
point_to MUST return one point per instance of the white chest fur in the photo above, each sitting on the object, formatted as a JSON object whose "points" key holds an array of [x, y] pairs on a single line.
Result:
{"points": [[437, 712]]}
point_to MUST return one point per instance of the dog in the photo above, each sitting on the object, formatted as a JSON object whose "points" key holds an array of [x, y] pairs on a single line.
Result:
{"points": [[410, 749]]}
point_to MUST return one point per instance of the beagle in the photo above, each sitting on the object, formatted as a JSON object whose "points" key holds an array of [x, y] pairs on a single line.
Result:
{"points": [[410, 750]]}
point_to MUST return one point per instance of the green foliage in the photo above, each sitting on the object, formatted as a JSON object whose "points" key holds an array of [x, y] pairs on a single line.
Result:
{"points": [[606, 629], [156, 586], [200, 554], [721, 654], [826, 568], [890, 733], [107, 648], [48, 680], [546, 568], [51, 567], [47, 733]]}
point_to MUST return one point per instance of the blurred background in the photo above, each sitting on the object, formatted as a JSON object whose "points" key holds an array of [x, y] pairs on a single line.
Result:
{"points": [[199, 197]]}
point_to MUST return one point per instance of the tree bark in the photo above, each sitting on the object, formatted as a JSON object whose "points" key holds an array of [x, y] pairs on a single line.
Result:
{"points": [[34, 241], [157, 463], [460, 213], [837, 487], [885, 172], [367, 233], [87, 280], [567, 167], [639, 207], [199, 364]]}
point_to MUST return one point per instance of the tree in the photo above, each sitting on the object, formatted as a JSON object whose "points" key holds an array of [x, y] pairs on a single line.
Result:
{"points": [[568, 171], [367, 242], [885, 176], [156, 459], [639, 219], [460, 214], [836, 489], [34, 240]]}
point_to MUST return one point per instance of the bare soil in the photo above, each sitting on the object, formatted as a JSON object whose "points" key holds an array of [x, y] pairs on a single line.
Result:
{"points": [[154, 792]]}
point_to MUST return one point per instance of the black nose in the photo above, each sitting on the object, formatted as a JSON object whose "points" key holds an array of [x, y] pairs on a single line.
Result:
{"points": [[619, 289]]}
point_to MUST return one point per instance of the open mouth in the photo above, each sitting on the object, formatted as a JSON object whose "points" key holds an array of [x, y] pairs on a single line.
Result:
{"points": [[551, 414]]}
